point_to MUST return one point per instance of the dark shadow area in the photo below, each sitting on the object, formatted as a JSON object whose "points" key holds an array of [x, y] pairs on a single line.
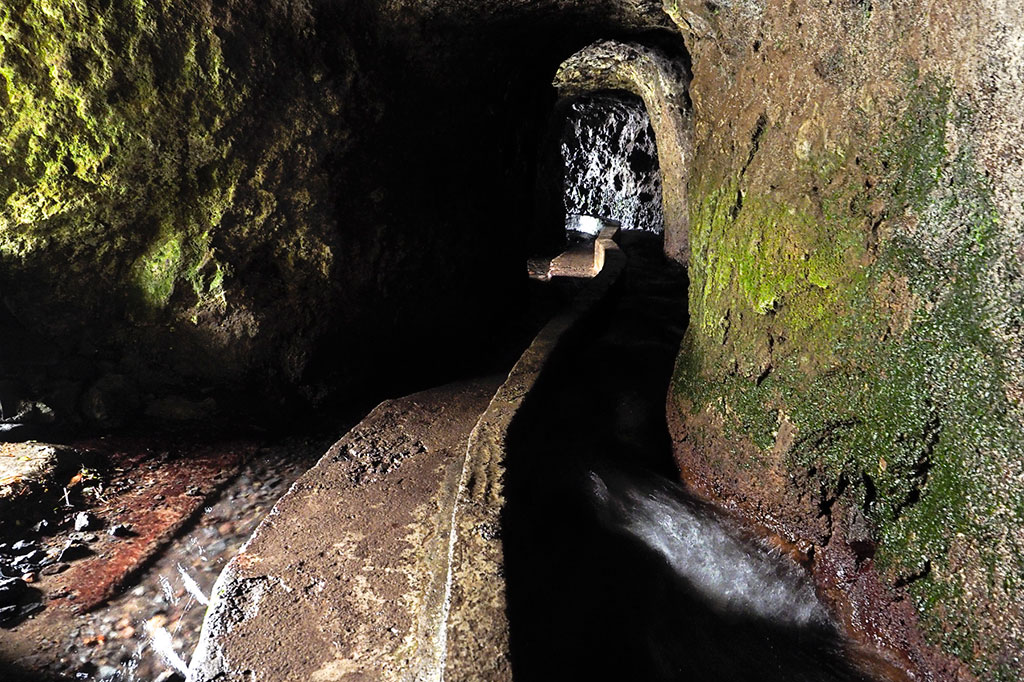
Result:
{"points": [[589, 597], [423, 187], [11, 672]]}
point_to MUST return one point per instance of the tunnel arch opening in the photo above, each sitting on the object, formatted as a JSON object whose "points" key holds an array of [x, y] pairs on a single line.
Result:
{"points": [[603, 157], [650, 82]]}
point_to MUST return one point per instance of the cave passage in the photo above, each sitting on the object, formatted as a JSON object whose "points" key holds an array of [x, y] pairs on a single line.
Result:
{"points": [[610, 165], [613, 571]]}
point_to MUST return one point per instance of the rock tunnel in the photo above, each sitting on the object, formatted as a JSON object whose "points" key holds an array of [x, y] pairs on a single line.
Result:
{"points": [[232, 234]]}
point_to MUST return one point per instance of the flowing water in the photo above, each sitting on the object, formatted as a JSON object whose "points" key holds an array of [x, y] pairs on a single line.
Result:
{"points": [[729, 572], [614, 572]]}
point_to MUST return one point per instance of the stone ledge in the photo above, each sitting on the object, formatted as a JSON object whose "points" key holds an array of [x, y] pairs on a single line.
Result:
{"points": [[383, 562], [477, 645]]}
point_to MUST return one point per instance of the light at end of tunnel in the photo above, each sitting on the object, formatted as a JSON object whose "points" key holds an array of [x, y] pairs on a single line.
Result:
{"points": [[583, 223]]}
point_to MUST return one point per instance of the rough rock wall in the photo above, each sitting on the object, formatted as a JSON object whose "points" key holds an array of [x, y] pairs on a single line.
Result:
{"points": [[852, 376], [168, 193], [611, 163], [205, 195]]}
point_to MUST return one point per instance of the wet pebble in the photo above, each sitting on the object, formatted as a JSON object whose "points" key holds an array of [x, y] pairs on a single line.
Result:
{"points": [[127, 623], [74, 550], [85, 521], [11, 589], [120, 530]]}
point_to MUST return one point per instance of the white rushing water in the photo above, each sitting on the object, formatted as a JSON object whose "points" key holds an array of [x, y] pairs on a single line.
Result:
{"points": [[731, 574], [192, 586], [163, 643]]}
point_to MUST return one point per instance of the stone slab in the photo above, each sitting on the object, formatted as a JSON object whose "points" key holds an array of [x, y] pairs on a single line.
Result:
{"points": [[346, 579], [30, 468], [477, 646]]}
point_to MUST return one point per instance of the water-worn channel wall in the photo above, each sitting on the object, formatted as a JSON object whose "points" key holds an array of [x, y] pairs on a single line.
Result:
{"points": [[290, 196], [853, 371]]}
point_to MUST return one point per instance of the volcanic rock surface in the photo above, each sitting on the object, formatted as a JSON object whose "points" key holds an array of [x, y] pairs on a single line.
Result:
{"points": [[279, 201]]}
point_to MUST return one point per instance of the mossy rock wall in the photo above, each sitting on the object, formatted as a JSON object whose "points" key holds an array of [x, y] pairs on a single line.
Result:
{"points": [[283, 199], [852, 375], [166, 190]]}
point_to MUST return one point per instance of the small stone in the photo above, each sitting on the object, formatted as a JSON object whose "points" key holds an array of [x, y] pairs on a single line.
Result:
{"points": [[90, 537], [10, 590], [30, 577], [54, 569], [74, 550], [111, 401], [84, 521], [159, 498], [120, 530], [94, 640], [29, 562], [158, 620], [8, 612], [85, 671]]}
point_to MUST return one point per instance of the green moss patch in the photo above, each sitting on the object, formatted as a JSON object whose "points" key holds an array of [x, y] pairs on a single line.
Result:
{"points": [[888, 367]]}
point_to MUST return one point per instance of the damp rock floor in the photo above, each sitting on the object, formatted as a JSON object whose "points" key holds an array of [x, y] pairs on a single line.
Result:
{"points": [[157, 614], [128, 607]]}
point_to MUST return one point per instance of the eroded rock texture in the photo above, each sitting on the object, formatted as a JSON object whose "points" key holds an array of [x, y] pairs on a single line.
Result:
{"points": [[280, 200], [611, 164], [290, 196], [852, 371]]}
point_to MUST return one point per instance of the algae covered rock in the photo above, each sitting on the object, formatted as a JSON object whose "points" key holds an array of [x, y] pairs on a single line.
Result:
{"points": [[163, 191], [852, 375]]}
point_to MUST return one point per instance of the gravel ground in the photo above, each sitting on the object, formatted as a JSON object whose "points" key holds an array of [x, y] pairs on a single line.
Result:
{"points": [[148, 632]]}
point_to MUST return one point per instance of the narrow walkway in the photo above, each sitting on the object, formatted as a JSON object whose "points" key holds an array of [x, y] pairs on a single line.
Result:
{"points": [[350, 577], [347, 573]]}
